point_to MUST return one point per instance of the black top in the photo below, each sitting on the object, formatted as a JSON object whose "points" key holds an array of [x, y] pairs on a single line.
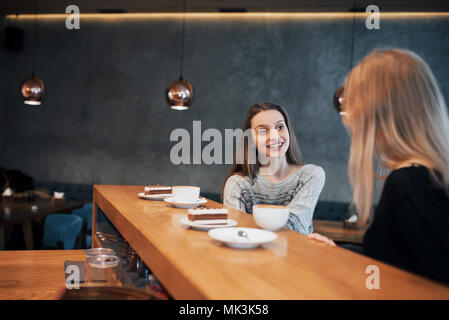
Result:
{"points": [[411, 224]]}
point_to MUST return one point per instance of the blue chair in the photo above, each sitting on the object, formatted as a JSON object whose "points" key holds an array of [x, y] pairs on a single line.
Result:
{"points": [[85, 213], [88, 241], [61, 229]]}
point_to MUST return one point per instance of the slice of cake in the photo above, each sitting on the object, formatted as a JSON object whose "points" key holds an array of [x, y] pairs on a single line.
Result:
{"points": [[157, 189], [208, 216]]}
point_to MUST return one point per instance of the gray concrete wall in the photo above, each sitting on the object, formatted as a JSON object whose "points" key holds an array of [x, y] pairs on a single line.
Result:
{"points": [[2, 90], [106, 121]]}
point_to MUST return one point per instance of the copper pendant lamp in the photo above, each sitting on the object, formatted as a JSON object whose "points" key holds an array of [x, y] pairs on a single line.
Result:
{"points": [[33, 88], [179, 93]]}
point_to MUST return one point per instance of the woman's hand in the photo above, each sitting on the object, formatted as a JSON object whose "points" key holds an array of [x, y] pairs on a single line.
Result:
{"points": [[320, 238]]}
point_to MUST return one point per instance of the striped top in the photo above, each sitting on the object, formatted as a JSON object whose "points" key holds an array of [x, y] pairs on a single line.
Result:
{"points": [[299, 192]]}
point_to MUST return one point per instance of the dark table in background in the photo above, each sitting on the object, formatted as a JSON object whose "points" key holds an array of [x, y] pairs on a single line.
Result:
{"points": [[21, 212], [336, 231]]}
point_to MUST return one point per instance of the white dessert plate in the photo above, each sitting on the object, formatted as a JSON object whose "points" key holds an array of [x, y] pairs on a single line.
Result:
{"points": [[204, 227], [185, 205], [231, 238], [154, 196]]}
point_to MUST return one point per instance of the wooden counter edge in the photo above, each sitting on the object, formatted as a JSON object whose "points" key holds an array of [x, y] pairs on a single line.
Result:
{"points": [[178, 284]]}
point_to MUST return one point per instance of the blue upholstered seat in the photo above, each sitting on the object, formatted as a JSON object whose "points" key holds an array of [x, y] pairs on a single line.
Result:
{"points": [[88, 240], [61, 230], [331, 210], [85, 213]]}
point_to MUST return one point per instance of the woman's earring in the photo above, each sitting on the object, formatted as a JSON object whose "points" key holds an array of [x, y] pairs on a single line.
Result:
{"points": [[338, 100]]}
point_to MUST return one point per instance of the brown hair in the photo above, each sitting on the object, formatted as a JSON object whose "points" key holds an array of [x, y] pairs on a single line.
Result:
{"points": [[293, 154]]}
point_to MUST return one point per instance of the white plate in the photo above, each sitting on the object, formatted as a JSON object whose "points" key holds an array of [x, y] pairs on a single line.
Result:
{"points": [[185, 205], [195, 225], [154, 196], [230, 237]]}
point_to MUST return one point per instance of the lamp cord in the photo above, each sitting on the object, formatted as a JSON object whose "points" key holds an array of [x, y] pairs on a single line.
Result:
{"points": [[354, 10], [34, 38], [182, 40]]}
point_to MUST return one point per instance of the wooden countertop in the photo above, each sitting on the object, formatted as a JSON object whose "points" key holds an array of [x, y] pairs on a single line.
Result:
{"points": [[34, 274], [191, 265]]}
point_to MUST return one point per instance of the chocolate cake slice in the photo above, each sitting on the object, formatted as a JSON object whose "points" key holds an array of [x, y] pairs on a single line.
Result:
{"points": [[157, 189], [208, 214]]}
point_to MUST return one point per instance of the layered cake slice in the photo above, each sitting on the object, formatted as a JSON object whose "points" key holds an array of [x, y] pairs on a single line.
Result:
{"points": [[157, 189], [208, 216]]}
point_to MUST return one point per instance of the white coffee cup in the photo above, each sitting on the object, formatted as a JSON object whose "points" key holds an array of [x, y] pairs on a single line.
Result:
{"points": [[270, 217], [185, 193]]}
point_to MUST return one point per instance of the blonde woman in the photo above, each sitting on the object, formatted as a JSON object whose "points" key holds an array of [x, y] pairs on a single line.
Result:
{"points": [[397, 117]]}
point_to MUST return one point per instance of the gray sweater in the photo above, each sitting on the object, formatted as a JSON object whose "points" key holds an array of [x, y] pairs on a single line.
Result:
{"points": [[299, 192]]}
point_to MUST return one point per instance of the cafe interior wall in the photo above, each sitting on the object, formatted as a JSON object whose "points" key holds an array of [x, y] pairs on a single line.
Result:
{"points": [[2, 91], [105, 119]]}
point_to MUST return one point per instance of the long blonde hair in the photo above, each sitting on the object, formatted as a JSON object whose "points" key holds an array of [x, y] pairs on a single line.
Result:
{"points": [[396, 113]]}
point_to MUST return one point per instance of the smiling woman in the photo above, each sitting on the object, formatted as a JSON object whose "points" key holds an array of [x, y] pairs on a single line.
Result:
{"points": [[278, 176]]}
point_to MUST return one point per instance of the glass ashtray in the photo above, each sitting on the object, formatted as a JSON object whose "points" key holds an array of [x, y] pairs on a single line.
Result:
{"points": [[99, 251], [103, 261]]}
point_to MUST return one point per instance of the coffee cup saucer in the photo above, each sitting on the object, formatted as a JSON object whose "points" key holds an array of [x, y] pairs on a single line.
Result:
{"points": [[254, 237], [185, 204], [142, 195]]}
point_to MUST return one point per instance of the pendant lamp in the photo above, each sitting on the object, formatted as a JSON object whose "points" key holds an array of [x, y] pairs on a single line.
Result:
{"points": [[179, 93], [338, 97], [33, 88]]}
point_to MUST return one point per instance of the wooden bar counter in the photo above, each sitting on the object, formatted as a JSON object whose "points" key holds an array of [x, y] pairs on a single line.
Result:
{"points": [[191, 265], [29, 275]]}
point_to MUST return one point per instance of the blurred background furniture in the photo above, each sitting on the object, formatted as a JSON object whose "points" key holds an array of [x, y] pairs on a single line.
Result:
{"points": [[72, 191], [75, 192], [85, 213], [29, 215], [335, 230], [331, 210], [29, 202], [328, 220], [61, 231]]}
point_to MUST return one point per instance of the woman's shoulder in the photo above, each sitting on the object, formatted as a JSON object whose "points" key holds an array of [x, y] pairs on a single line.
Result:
{"points": [[311, 170], [238, 179], [408, 180], [408, 177]]}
